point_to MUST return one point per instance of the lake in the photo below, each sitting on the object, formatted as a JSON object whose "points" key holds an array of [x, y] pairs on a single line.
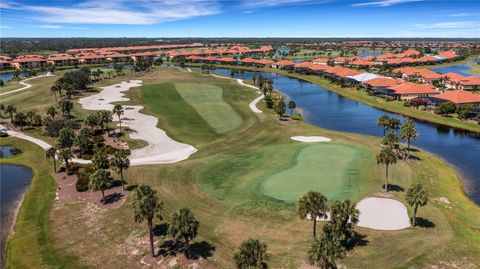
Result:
{"points": [[461, 69], [329, 110], [14, 181]]}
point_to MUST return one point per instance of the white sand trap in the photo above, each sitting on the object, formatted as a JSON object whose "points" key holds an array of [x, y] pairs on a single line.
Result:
{"points": [[161, 148], [382, 214], [311, 139]]}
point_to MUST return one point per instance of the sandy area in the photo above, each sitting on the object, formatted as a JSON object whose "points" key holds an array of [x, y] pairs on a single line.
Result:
{"points": [[382, 214], [161, 148], [310, 139], [26, 85]]}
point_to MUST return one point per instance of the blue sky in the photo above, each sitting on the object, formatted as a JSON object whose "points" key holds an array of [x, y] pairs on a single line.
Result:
{"points": [[235, 18]]}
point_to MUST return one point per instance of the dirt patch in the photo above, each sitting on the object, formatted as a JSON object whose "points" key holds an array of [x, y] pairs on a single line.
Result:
{"points": [[66, 191], [113, 142]]}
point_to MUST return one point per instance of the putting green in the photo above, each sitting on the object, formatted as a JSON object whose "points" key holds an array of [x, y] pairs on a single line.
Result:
{"points": [[328, 168], [208, 101]]}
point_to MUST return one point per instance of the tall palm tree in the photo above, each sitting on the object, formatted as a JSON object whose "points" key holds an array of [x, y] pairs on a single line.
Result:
{"points": [[383, 122], [11, 110], [119, 111], [251, 254], [408, 132], [416, 196], [50, 153], [54, 89], [120, 162], [146, 206], [100, 181], [387, 157], [312, 204], [390, 140], [324, 253], [183, 226], [52, 111]]}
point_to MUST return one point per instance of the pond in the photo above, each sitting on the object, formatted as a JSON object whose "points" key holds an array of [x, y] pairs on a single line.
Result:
{"points": [[6, 152], [14, 181], [328, 110], [6, 76], [461, 69]]}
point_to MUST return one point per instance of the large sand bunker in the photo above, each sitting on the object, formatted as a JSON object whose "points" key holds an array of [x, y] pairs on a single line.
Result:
{"points": [[383, 214]]}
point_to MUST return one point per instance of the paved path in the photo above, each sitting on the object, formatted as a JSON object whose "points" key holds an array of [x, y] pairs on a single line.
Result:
{"points": [[253, 104], [25, 85]]}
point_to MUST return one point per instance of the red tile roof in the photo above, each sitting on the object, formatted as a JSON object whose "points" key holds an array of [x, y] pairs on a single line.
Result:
{"points": [[320, 60], [384, 82], [425, 73], [285, 63], [414, 88], [460, 97]]}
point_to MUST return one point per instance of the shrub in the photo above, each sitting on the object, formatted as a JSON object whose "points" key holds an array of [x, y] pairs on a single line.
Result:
{"points": [[422, 107], [445, 108], [84, 178], [407, 104], [53, 127], [3, 134], [15, 150]]}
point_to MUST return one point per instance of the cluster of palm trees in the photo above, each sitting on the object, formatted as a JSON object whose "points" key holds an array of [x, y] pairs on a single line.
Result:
{"points": [[338, 232], [390, 152], [21, 119], [183, 226]]}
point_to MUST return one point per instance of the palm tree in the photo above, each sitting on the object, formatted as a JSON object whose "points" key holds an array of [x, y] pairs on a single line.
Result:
{"points": [[11, 110], [183, 226], [383, 122], [291, 106], [65, 155], [120, 162], [387, 157], [100, 181], [50, 153], [343, 218], [416, 196], [100, 160], [52, 111], [54, 89], [20, 120], [118, 110], [393, 124], [146, 206], [408, 132], [312, 204], [251, 254], [324, 253], [390, 140]]}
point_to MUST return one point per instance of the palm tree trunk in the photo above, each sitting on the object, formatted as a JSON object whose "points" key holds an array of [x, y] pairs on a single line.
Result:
{"points": [[103, 196], [150, 234], [386, 178], [121, 178], [54, 165], [314, 226], [120, 123], [414, 215]]}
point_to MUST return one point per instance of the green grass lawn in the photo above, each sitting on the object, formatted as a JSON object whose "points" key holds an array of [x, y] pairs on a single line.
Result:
{"points": [[222, 185], [33, 245], [207, 100], [476, 68]]}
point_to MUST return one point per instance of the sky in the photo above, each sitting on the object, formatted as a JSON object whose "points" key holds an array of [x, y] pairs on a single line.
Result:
{"points": [[240, 18]]}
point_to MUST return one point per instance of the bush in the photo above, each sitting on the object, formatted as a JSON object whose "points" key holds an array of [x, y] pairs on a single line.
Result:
{"points": [[15, 150], [53, 127], [422, 107], [407, 104], [84, 178], [3, 134], [445, 108]]}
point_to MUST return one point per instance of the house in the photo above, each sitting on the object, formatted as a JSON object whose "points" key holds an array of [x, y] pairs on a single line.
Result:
{"points": [[62, 59], [410, 90], [284, 64], [247, 61], [380, 85], [5, 62], [363, 77], [90, 58], [340, 61], [448, 54], [323, 61], [422, 74], [29, 61], [144, 55], [457, 81], [264, 63], [459, 97]]}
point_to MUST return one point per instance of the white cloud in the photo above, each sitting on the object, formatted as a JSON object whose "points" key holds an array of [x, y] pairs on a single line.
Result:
{"points": [[384, 3], [123, 11], [48, 26], [251, 4], [450, 24], [461, 14]]}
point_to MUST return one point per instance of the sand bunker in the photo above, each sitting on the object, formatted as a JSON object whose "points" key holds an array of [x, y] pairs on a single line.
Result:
{"points": [[310, 139], [161, 148], [383, 214]]}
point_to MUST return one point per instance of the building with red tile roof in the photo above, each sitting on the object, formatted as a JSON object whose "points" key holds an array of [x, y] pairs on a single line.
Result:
{"points": [[410, 90], [320, 61], [457, 81], [284, 64], [29, 61], [61, 59], [426, 75], [448, 54], [460, 97]]}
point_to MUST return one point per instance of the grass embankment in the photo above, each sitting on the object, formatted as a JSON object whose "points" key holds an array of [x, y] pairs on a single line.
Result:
{"points": [[475, 70], [32, 245], [222, 185], [464, 61], [362, 96]]}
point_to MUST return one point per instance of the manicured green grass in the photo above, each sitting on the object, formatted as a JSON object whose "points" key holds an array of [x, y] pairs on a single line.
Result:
{"points": [[207, 100], [311, 170], [476, 68], [32, 245]]}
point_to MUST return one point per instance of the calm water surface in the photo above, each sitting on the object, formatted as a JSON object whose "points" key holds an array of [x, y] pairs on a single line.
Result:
{"points": [[328, 110], [461, 69], [14, 181]]}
